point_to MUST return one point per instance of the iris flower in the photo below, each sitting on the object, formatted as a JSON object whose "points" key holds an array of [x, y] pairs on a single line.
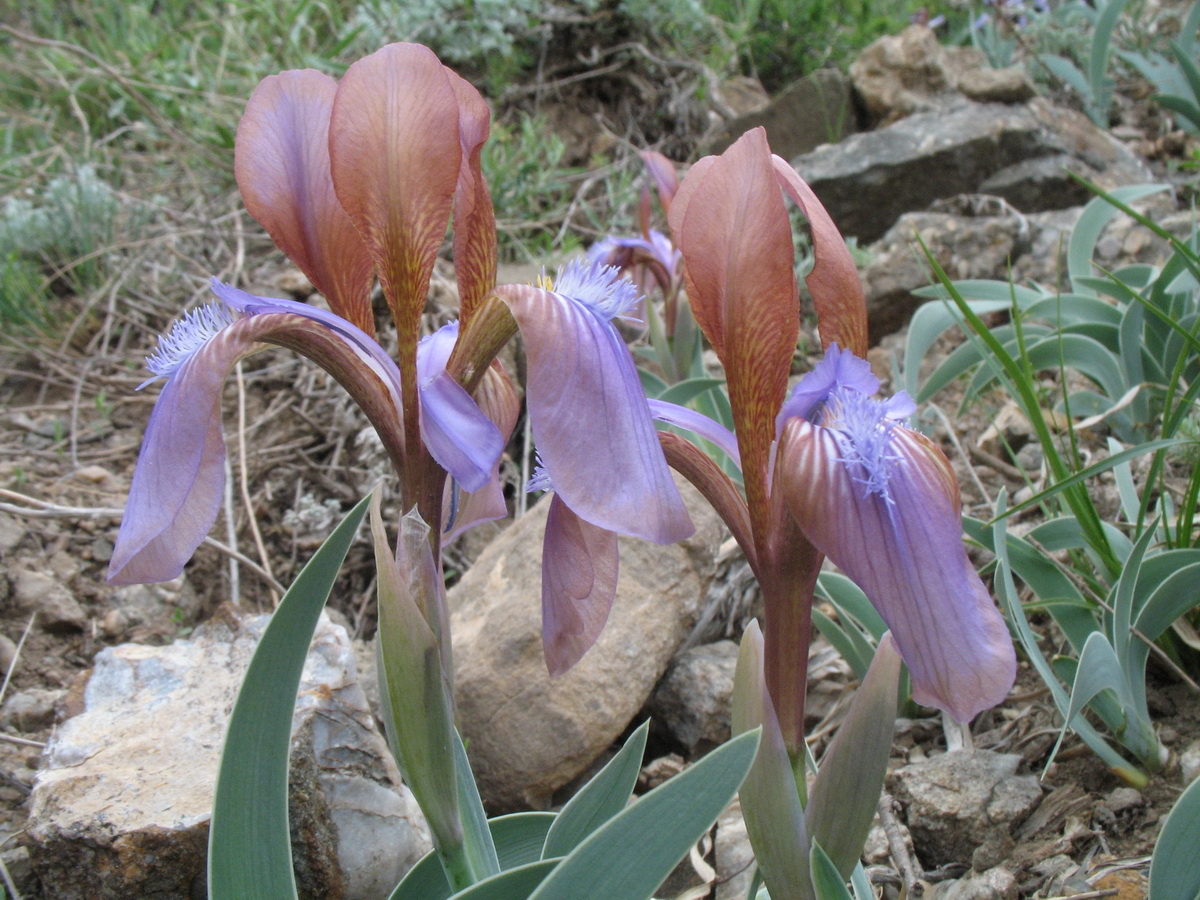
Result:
{"points": [[179, 481], [830, 470]]}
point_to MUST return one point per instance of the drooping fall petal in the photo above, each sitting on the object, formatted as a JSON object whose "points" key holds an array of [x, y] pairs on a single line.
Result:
{"points": [[834, 283], [884, 507], [474, 217], [395, 157], [281, 160], [736, 239], [589, 415], [178, 483], [579, 582]]}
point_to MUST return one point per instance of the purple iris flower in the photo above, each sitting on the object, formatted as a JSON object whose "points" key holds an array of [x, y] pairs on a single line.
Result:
{"points": [[878, 500], [597, 444], [178, 484]]}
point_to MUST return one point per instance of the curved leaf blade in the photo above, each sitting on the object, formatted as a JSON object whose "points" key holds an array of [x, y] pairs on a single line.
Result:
{"points": [[652, 835], [249, 844], [600, 799]]}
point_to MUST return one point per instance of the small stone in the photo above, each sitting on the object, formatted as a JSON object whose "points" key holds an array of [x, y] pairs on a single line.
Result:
{"points": [[97, 475], [953, 801], [11, 533], [56, 607], [31, 710], [692, 701], [1189, 762], [142, 611], [995, 849], [735, 856], [8, 651], [994, 884]]}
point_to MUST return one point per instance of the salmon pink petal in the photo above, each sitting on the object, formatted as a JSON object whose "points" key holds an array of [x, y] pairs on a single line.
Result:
{"points": [[474, 217], [281, 160], [736, 240], [836, 289], [395, 157]]}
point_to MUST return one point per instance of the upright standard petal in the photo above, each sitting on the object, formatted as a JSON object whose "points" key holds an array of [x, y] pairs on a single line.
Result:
{"points": [[736, 240], [579, 583], [474, 217], [281, 160], [395, 157], [590, 418], [881, 502], [836, 290]]}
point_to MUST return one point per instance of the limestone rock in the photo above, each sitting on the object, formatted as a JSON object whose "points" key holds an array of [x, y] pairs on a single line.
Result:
{"points": [[814, 110], [122, 804], [870, 179], [951, 802], [528, 733], [965, 246], [692, 702]]}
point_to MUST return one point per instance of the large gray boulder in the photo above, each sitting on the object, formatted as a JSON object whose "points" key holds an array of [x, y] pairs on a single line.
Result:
{"points": [[121, 807], [1019, 153], [529, 734]]}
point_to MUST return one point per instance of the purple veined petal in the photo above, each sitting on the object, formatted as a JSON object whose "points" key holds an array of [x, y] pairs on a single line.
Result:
{"points": [[837, 368], [697, 423], [178, 483], [458, 435], [579, 583], [897, 533], [365, 346], [180, 476], [590, 418]]}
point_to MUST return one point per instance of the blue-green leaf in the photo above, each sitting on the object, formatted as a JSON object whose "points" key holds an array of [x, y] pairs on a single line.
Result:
{"points": [[600, 799], [628, 857], [826, 880], [1174, 874], [512, 884], [518, 839], [249, 844]]}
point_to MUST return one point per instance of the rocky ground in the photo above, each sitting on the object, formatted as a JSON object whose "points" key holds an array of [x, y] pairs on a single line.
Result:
{"points": [[986, 814]]}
